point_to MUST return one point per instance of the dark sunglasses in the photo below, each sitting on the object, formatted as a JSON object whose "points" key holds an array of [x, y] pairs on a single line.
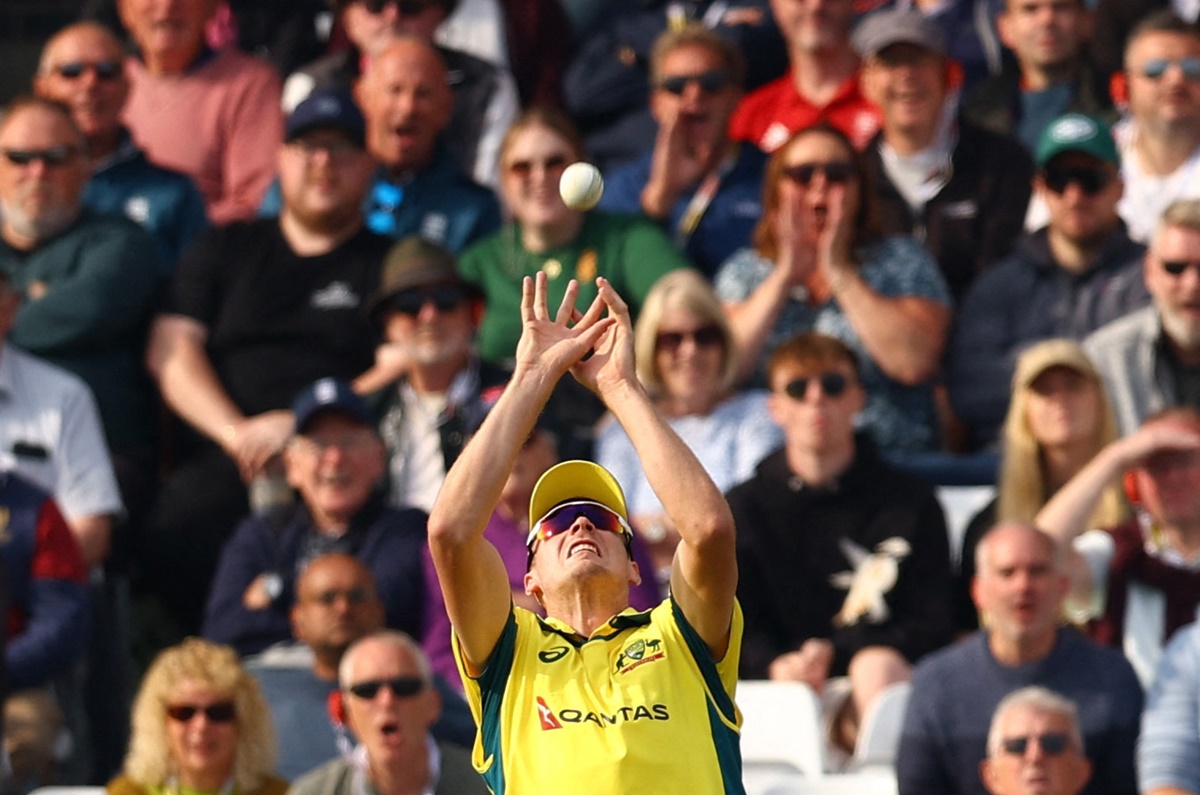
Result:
{"points": [[407, 8], [703, 337], [401, 687], [832, 385], [1177, 267], [221, 712], [354, 596], [54, 156], [411, 302], [1157, 67], [1090, 180], [563, 517], [523, 168], [836, 172], [1052, 743], [104, 70], [710, 82]]}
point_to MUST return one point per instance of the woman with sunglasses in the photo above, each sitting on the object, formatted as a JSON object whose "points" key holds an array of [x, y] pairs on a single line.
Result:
{"points": [[200, 727], [819, 263], [546, 236], [686, 359]]}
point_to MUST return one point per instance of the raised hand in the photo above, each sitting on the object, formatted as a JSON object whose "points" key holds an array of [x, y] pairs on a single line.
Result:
{"points": [[610, 367], [834, 240], [798, 243], [674, 168], [555, 344]]}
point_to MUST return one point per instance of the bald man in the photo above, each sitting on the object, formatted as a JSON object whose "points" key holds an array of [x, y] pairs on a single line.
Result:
{"points": [[83, 67], [418, 189]]}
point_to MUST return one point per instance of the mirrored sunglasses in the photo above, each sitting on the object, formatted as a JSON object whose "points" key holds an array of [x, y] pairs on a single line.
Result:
{"points": [[562, 518], [221, 712], [836, 172], [1157, 67], [832, 385], [401, 687], [1051, 743]]}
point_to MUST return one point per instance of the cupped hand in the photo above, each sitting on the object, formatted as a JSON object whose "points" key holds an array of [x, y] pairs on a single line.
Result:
{"points": [[611, 366], [553, 344]]}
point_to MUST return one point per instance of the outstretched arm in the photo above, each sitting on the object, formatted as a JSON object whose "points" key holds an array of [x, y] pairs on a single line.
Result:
{"points": [[704, 571], [471, 573]]}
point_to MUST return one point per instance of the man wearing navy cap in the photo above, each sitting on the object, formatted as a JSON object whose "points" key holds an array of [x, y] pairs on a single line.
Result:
{"points": [[256, 310], [334, 461]]}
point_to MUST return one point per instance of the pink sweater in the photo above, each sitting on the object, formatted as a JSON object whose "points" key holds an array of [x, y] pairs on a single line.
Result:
{"points": [[220, 123]]}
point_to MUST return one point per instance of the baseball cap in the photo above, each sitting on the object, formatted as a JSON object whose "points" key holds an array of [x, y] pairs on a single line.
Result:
{"points": [[897, 26], [330, 108], [1076, 132], [576, 480], [1046, 354], [328, 395], [415, 262]]}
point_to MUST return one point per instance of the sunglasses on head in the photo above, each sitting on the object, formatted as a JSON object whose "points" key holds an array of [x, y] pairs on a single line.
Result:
{"points": [[832, 385], [104, 70], [703, 337], [836, 172], [406, 8], [1090, 180], [51, 156], [1051, 743], [1157, 67], [401, 687], [562, 518], [710, 82], [221, 712], [523, 168], [411, 302], [1178, 267]]}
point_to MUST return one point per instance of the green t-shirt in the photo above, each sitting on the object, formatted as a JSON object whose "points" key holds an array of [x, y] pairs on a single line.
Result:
{"points": [[628, 250]]}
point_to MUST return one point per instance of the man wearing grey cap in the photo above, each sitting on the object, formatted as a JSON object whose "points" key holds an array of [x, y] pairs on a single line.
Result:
{"points": [[1067, 279], [958, 189], [257, 309]]}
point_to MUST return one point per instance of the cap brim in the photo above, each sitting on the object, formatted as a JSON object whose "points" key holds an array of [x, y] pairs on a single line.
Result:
{"points": [[576, 480]]}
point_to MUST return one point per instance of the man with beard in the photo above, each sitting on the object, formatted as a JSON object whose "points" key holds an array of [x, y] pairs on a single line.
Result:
{"points": [[256, 311], [703, 187]]}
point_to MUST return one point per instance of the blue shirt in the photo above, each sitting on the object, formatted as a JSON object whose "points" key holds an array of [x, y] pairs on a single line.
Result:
{"points": [[1168, 753]]}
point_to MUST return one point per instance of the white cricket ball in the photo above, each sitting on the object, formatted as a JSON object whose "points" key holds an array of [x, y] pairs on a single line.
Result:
{"points": [[581, 186]]}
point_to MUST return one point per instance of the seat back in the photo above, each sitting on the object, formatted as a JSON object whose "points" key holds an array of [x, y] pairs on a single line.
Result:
{"points": [[879, 733], [781, 728], [839, 784]]}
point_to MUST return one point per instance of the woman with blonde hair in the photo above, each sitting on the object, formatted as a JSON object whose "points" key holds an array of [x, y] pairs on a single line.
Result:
{"points": [[1059, 417], [200, 726], [687, 359]]}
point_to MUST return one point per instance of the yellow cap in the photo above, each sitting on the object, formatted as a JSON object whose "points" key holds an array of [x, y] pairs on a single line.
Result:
{"points": [[576, 480]]}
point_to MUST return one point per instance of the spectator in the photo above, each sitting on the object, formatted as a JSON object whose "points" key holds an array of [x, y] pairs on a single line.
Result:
{"points": [[211, 115], [83, 67], [428, 315], [1114, 20], [418, 189], [1068, 279], [484, 95], [1160, 138], [607, 83], [697, 183], [1019, 587], [687, 359], [1047, 758], [199, 723], [334, 460], [818, 525], [1050, 74], [87, 281], [1058, 419], [820, 263], [961, 191], [1149, 358], [256, 311], [336, 604], [545, 235], [821, 85], [46, 626], [1133, 579], [396, 751], [685, 651], [1169, 747]]}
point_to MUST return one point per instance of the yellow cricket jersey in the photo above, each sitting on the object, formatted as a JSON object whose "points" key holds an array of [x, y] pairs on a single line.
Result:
{"points": [[640, 706]]}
